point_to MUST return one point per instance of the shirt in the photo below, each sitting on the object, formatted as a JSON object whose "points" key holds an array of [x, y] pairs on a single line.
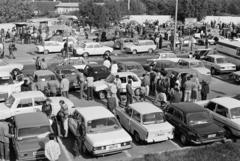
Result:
{"points": [[4, 132], [118, 83], [64, 84], [52, 150], [90, 81], [107, 63], [114, 69], [53, 86]]}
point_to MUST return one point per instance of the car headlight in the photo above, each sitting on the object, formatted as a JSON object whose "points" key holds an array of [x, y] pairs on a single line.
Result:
{"points": [[126, 143], [99, 148]]}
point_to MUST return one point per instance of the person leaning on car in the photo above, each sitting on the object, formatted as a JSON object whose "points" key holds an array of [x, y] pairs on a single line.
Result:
{"points": [[53, 86], [64, 86]]}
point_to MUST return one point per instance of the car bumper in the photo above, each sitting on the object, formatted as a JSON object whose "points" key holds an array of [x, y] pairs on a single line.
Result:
{"points": [[226, 71], [159, 138], [208, 140], [108, 152]]}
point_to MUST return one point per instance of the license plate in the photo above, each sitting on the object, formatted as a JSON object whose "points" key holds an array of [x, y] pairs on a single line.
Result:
{"points": [[212, 136], [112, 147]]}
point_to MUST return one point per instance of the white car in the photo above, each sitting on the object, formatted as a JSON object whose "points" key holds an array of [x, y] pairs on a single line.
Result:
{"points": [[8, 85], [104, 134], [30, 101], [218, 64], [50, 47], [145, 122], [6, 67], [226, 113], [165, 56], [140, 47], [102, 86], [90, 49]]}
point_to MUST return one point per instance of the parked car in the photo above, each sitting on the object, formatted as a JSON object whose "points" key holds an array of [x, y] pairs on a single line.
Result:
{"points": [[226, 113], [8, 85], [193, 124], [145, 122], [91, 49], [30, 101], [201, 53], [218, 64], [122, 42], [9, 67], [104, 134], [140, 47], [158, 65], [131, 66], [50, 47], [96, 71], [102, 86], [165, 56], [31, 132]]}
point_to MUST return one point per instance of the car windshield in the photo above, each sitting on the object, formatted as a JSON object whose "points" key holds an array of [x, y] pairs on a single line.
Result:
{"points": [[196, 64], [68, 72], [134, 67], [10, 100], [235, 113], [33, 131], [6, 80], [47, 77], [198, 118], [220, 60], [102, 125], [110, 78], [153, 118]]}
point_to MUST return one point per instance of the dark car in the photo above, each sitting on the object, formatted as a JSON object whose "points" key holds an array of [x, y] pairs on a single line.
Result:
{"points": [[30, 135], [131, 66], [96, 71], [159, 65], [71, 73], [193, 124]]}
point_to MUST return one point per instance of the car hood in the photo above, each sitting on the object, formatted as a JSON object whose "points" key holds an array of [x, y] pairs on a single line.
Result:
{"points": [[159, 127], [15, 65], [209, 128], [108, 138], [226, 65], [203, 70], [100, 85]]}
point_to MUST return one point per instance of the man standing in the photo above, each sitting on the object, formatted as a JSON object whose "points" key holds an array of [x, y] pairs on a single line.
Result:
{"points": [[204, 90], [62, 116], [12, 48], [160, 41], [129, 93], [52, 149], [89, 88], [43, 64], [119, 87], [64, 86], [146, 83], [81, 84], [65, 49], [47, 108], [53, 86], [4, 140]]}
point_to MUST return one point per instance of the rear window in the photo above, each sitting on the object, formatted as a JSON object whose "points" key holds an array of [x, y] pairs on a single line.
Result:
{"points": [[33, 131]]}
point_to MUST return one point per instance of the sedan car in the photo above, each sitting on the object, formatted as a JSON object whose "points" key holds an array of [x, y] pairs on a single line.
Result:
{"points": [[193, 124], [6, 67], [91, 49], [30, 136], [131, 66], [104, 134], [140, 47], [145, 122], [165, 56], [50, 47], [96, 71]]}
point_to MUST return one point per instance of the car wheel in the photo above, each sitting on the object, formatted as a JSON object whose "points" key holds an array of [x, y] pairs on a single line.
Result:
{"points": [[183, 139], [102, 95], [136, 137], [213, 71], [107, 53], [150, 51], [134, 52], [46, 52], [85, 55], [137, 91]]}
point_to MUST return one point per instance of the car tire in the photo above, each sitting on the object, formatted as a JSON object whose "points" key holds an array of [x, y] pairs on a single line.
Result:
{"points": [[85, 55], [134, 52], [213, 71], [107, 53], [102, 95], [183, 139], [136, 137], [150, 51], [137, 91]]}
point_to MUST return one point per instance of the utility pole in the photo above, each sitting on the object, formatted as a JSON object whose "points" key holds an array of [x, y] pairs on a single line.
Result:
{"points": [[129, 2], [175, 28]]}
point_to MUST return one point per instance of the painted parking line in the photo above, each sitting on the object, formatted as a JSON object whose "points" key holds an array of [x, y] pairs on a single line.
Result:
{"points": [[127, 153], [65, 151]]}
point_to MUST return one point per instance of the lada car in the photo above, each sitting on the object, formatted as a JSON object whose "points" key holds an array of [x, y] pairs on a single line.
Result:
{"points": [[96, 71], [91, 49], [104, 134], [29, 101], [226, 113], [218, 64], [145, 122], [165, 56], [131, 66], [31, 132], [9, 67], [193, 124], [140, 47], [8, 85], [102, 86]]}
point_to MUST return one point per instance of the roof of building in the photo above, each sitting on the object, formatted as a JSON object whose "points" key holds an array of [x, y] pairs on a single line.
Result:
{"points": [[227, 102], [188, 107], [67, 5], [33, 119], [145, 107]]}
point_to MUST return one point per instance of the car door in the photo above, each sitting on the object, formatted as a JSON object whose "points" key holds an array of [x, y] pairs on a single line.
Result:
{"points": [[125, 116], [23, 106], [136, 125], [89, 49], [221, 114]]}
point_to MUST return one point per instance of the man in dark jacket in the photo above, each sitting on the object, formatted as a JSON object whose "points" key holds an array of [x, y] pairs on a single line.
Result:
{"points": [[204, 90], [47, 108], [129, 93], [25, 86]]}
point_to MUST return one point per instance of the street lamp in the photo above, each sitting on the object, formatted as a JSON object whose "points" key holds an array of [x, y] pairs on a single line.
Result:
{"points": [[175, 28]]}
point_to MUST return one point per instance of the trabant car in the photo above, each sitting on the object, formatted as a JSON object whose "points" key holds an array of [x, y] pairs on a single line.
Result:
{"points": [[165, 56], [226, 113], [31, 132], [193, 124], [8, 85], [104, 134], [218, 64], [29, 101], [145, 122], [131, 66], [102, 86], [140, 47]]}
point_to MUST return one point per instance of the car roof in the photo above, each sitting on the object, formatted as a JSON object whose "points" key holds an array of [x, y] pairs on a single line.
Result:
{"points": [[145, 107], [28, 94], [227, 102], [130, 63], [190, 60], [216, 56], [94, 112], [4, 74], [187, 107], [145, 40], [204, 49], [43, 72], [33, 119], [122, 74]]}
